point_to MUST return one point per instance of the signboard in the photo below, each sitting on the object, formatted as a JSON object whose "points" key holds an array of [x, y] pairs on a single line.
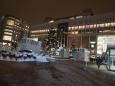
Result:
{"points": [[86, 59]]}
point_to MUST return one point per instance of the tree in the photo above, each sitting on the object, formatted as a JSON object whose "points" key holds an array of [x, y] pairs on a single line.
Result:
{"points": [[73, 44], [73, 48], [50, 41]]}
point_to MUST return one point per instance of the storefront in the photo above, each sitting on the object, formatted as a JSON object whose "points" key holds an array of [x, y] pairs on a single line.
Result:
{"points": [[103, 41]]}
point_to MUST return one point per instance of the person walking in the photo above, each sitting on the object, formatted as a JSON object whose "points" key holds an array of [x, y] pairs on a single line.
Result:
{"points": [[98, 62]]}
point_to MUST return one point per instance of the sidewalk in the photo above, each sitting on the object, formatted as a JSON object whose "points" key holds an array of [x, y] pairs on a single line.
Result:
{"points": [[91, 67]]}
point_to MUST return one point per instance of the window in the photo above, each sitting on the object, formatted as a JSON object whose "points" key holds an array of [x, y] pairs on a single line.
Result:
{"points": [[101, 25], [94, 25], [87, 26], [72, 28], [112, 24], [69, 28], [9, 26], [76, 32], [72, 32], [7, 33], [8, 30], [91, 26], [10, 22], [81, 27], [76, 27], [97, 25], [107, 24], [5, 37]]}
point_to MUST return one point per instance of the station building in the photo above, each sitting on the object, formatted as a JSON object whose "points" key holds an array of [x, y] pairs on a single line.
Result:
{"points": [[90, 31]]}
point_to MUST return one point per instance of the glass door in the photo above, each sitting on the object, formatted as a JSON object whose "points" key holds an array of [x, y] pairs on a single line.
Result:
{"points": [[112, 59]]}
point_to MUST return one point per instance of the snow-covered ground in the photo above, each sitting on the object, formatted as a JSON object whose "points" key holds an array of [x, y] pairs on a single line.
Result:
{"points": [[39, 58]]}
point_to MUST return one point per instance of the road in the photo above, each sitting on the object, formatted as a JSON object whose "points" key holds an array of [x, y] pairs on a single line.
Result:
{"points": [[60, 73]]}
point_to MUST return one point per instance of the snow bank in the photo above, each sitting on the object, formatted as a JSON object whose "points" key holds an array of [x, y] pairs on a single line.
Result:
{"points": [[39, 58]]}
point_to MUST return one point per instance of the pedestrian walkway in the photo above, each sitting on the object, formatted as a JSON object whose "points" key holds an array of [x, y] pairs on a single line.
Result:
{"points": [[92, 68]]}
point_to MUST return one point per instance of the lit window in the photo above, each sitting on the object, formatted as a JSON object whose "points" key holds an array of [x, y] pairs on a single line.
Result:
{"points": [[72, 18], [91, 26], [106, 31], [107, 24], [76, 27], [101, 25], [76, 32], [7, 38], [94, 25], [8, 30], [7, 33], [51, 21], [9, 26], [112, 24], [97, 25], [10, 22], [35, 39], [81, 27], [100, 31], [4, 43], [72, 28], [87, 26], [72, 32], [69, 28], [78, 16]]}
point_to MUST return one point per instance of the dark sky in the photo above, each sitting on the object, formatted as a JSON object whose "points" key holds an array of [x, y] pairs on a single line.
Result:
{"points": [[35, 11]]}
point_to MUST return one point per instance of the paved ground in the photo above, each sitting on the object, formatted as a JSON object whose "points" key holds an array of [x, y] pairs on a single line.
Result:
{"points": [[60, 73]]}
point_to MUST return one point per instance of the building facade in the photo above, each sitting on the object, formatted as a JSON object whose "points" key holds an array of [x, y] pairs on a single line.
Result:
{"points": [[12, 29], [90, 31]]}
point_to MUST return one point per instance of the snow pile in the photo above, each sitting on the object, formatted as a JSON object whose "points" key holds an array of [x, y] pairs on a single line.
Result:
{"points": [[22, 57]]}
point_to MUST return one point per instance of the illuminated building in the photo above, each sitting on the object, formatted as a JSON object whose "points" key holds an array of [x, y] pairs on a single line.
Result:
{"points": [[12, 29], [90, 31]]}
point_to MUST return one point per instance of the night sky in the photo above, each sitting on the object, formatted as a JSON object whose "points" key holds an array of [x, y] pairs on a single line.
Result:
{"points": [[35, 11]]}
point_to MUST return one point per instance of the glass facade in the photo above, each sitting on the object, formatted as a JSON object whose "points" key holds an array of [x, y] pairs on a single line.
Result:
{"points": [[111, 58], [103, 41]]}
